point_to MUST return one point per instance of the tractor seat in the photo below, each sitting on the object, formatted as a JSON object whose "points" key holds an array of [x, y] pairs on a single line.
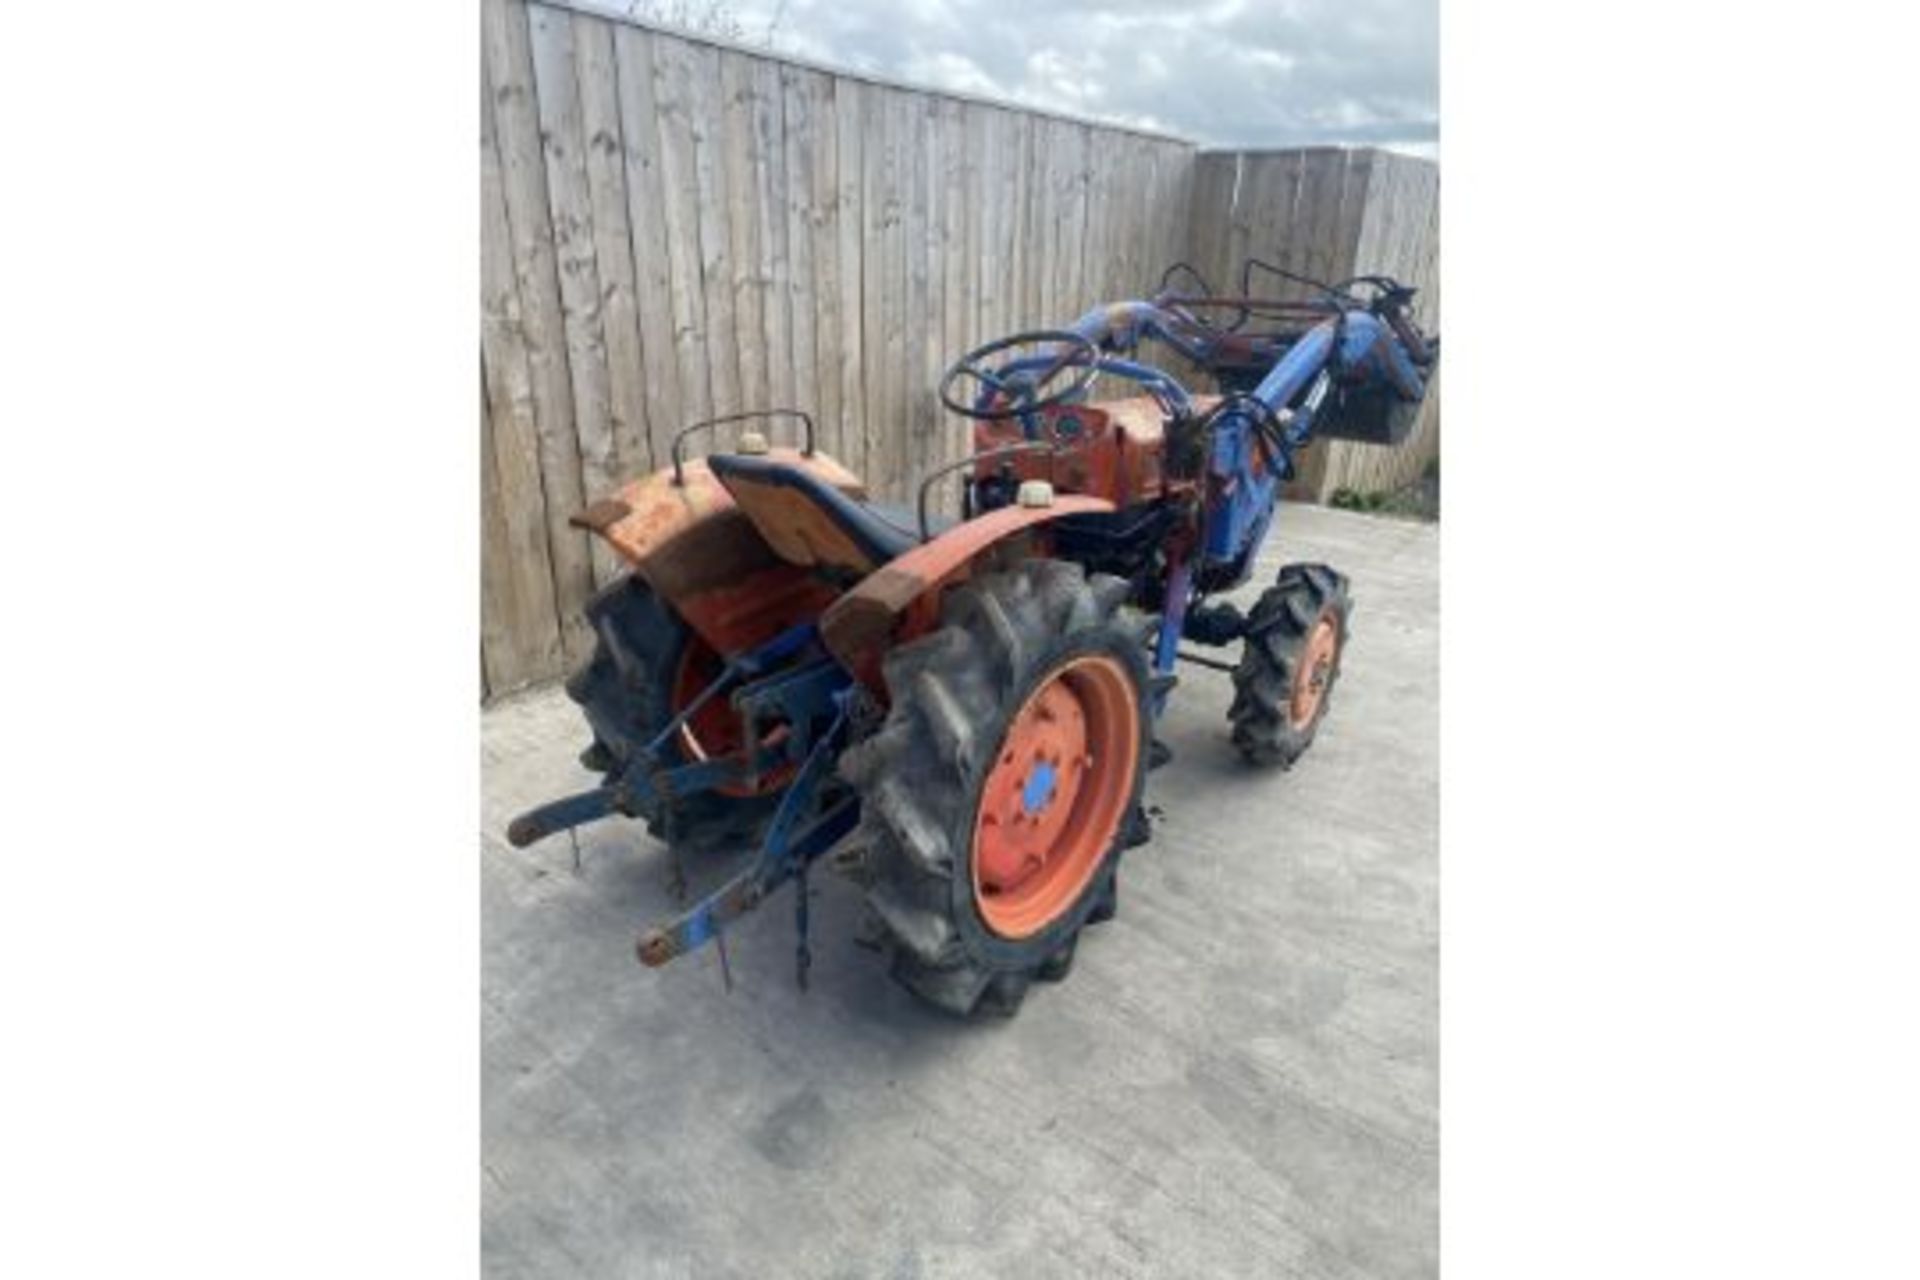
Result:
{"points": [[809, 522]]}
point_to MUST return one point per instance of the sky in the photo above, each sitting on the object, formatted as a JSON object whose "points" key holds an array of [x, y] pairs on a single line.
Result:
{"points": [[1243, 73]]}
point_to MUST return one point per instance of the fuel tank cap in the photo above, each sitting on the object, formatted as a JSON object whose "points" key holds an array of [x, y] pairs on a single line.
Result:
{"points": [[1036, 493]]}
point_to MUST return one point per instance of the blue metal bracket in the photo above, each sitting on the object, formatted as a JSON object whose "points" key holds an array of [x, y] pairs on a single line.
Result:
{"points": [[796, 836], [799, 696]]}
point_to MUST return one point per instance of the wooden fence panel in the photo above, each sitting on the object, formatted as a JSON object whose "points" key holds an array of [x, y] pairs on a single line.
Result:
{"points": [[508, 62], [599, 87], [951, 334], [1399, 236], [802, 225], [1330, 213], [849, 264], [910, 430], [881, 278], [718, 219], [519, 626], [569, 204], [680, 222], [745, 182], [770, 212], [647, 234], [674, 227]]}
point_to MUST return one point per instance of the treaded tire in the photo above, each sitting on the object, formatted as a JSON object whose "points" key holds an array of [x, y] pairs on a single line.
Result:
{"points": [[1277, 640], [921, 776], [626, 691]]}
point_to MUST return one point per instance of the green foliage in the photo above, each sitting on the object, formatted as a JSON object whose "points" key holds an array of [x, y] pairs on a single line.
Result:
{"points": [[1419, 499], [1353, 500]]}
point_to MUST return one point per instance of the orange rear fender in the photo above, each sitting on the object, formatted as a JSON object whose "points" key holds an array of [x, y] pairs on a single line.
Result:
{"points": [[698, 550], [861, 625]]}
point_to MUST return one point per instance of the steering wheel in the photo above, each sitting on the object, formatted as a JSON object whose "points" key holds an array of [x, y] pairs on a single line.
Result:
{"points": [[1017, 394]]}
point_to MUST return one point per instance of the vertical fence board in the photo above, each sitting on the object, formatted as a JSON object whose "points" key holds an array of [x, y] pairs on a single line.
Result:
{"points": [[1106, 169], [952, 257], [1320, 201], [924, 407], [1284, 236], [774, 275], [1203, 194], [850, 266], [740, 210], [647, 234], [1319, 235], [1215, 222], [1399, 236], [1029, 228], [504, 634], [711, 130], [613, 247], [569, 201], [913, 429], [873, 158], [680, 221], [508, 57], [985, 199], [804, 221], [886, 411], [520, 633]]}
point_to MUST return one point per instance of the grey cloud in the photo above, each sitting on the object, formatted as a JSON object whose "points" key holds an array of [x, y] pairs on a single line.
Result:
{"points": [[1229, 72]]}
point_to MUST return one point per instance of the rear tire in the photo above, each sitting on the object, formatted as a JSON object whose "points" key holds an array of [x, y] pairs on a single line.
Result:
{"points": [[970, 917], [1295, 638], [626, 690]]}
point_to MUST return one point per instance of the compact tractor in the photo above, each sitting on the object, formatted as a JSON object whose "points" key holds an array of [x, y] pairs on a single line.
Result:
{"points": [[961, 712]]}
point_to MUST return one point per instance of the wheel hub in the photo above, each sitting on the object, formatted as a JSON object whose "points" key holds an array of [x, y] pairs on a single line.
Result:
{"points": [[1039, 791], [1316, 668], [1053, 800]]}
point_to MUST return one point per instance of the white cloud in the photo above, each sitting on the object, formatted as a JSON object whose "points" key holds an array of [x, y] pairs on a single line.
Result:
{"points": [[1074, 81], [1268, 60], [952, 71], [1229, 72]]}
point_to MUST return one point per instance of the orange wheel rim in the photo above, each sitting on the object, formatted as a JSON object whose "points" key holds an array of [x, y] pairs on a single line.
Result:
{"points": [[1054, 800], [1315, 670], [714, 731]]}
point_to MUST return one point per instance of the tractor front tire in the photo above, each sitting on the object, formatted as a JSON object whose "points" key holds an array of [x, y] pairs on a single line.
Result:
{"points": [[1287, 669], [1004, 783]]}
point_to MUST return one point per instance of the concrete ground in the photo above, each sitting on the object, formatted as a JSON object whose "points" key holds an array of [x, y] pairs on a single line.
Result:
{"points": [[1239, 1078]]}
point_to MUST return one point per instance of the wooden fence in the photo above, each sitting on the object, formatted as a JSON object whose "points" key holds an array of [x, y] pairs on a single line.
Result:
{"points": [[674, 228], [1329, 213]]}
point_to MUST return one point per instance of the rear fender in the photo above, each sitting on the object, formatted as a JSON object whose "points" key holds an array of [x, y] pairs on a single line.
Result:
{"points": [[700, 553], [901, 599]]}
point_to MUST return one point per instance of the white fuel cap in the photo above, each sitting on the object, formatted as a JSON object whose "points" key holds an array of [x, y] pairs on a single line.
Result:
{"points": [[752, 443], [1036, 493]]}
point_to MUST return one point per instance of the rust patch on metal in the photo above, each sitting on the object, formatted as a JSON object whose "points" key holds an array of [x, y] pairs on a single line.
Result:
{"points": [[655, 949], [659, 511], [687, 538], [1116, 451], [601, 515], [712, 554]]}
